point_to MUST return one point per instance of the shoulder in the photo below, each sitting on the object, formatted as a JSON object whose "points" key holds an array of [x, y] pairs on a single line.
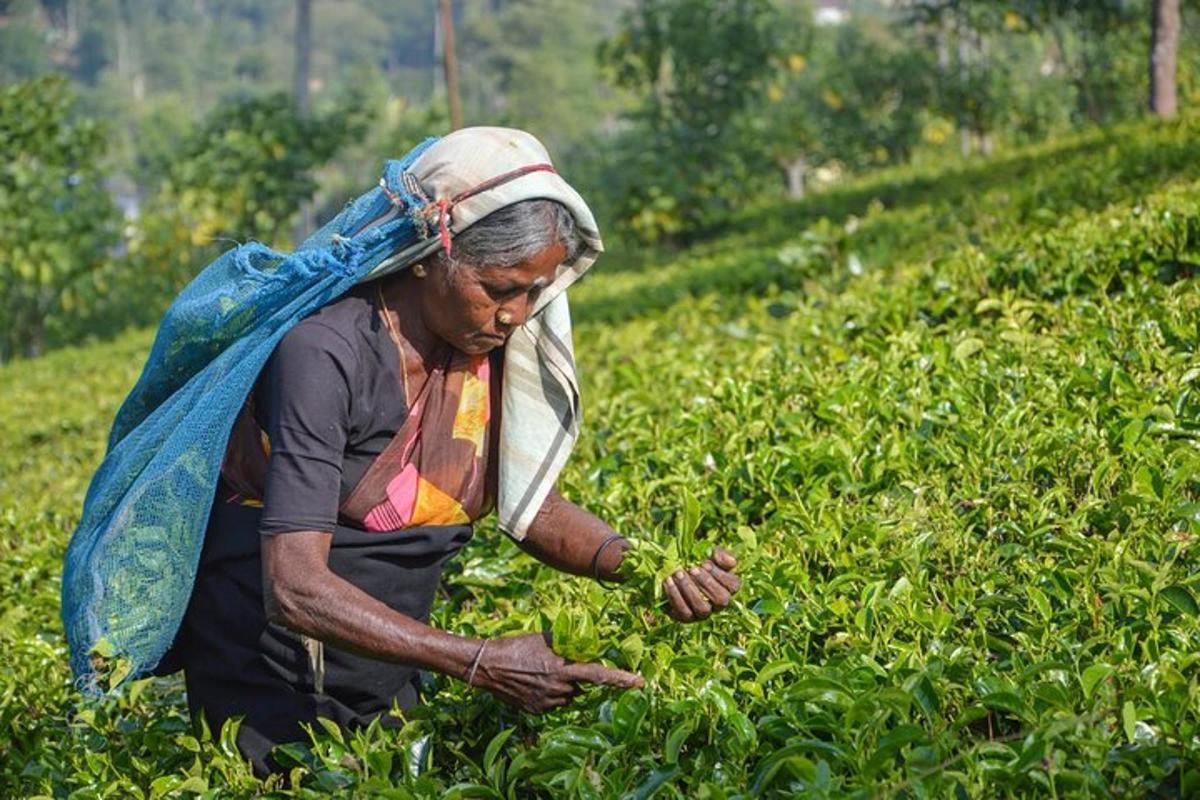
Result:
{"points": [[329, 339], [334, 329], [313, 349]]}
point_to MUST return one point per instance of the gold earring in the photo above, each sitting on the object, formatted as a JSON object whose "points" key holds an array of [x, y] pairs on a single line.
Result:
{"points": [[419, 270]]}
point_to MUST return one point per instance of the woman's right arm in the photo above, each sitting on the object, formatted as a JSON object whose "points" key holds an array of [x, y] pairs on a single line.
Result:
{"points": [[300, 592]]}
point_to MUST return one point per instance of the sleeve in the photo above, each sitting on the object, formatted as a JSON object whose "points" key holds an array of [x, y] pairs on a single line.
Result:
{"points": [[306, 413]]}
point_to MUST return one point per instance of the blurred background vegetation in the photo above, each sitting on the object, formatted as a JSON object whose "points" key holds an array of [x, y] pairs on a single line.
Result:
{"points": [[140, 139]]}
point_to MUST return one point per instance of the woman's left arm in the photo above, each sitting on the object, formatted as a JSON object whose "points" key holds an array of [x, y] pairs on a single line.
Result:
{"points": [[570, 539]]}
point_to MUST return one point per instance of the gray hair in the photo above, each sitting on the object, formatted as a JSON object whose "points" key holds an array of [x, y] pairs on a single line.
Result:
{"points": [[516, 233]]}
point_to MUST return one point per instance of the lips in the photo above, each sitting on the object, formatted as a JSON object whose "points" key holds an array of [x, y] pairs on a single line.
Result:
{"points": [[488, 341]]}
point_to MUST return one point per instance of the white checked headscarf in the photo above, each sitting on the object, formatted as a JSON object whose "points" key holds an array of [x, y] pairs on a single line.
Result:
{"points": [[467, 175]]}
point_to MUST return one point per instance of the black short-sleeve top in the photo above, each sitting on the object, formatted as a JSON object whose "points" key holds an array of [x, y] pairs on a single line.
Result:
{"points": [[330, 399]]}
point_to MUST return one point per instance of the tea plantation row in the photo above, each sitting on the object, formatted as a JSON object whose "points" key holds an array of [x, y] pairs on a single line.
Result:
{"points": [[949, 421]]}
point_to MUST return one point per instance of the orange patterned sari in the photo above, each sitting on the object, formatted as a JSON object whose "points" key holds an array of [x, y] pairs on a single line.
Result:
{"points": [[432, 472]]}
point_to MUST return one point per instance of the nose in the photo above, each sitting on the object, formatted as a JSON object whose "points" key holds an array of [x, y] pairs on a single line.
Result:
{"points": [[513, 314]]}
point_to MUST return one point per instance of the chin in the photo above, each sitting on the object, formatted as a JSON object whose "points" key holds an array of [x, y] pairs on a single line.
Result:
{"points": [[477, 347]]}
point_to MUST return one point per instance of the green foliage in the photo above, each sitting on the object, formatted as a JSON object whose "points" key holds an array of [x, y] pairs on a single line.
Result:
{"points": [[23, 51], [855, 98], [245, 173], [696, 67], [529, 64], [1032, 68], [397, 126], [698, 63], [1104, 47], [58, 220], [679, 135], [948, 422]]}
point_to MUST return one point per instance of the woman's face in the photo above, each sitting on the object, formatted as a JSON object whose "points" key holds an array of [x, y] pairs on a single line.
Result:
{"points": [[474, 309]]}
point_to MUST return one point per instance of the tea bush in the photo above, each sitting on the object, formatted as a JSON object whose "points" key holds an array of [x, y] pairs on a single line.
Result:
{"points": [[947, 420]]}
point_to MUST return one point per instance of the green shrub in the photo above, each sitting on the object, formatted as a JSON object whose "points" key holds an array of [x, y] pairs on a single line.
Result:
{"points": [[58, 222], [245, 173], [948, 422]]}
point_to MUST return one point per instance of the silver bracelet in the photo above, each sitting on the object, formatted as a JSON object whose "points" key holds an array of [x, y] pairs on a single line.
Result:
{"points": [[475, 663]]}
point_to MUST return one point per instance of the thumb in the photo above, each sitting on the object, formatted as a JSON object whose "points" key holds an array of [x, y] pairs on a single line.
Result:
{"points": [[598, 673]]}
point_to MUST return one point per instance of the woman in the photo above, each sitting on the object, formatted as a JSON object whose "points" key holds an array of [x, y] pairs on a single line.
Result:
{"points": [[370, 444]]}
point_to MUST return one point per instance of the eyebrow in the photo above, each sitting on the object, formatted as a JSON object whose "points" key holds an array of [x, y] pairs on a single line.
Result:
{"points": [[539, 283]]}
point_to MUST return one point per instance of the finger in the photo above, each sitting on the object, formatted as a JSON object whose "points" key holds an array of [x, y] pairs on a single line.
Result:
{"points": [[547, 697], [730, 581], [544, 705], [583, 672], [723, 558], [699, 604], [679, 607], [560, 694], [711, 587]]}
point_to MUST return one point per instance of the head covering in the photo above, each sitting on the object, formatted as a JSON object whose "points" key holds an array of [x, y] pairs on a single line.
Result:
{"points": [[132, 560], [480, 170], [456, 182]]}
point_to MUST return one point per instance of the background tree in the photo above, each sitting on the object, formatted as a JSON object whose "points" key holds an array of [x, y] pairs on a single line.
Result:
{"points": [[1164, 46], [23, 50], [303, 54], [244, 174], [978, 75], [694, 109], [450, 63], [531, 64], [1095, 44], [696, 67], [856, 101], [58, 221]]}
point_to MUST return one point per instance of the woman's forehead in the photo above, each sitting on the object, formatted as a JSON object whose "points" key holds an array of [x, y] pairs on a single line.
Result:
{"points": [[538, 270]]}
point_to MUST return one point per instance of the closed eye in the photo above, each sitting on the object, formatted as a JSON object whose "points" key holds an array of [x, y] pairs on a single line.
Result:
{"points": [[504, 292], [508, 292]]}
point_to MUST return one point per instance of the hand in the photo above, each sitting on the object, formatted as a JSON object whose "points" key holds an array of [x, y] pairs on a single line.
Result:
{"points": [[525, 673], [696, 592]]}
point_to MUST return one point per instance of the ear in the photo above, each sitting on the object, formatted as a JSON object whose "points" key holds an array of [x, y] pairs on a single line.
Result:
{"points": [[440, 268]]}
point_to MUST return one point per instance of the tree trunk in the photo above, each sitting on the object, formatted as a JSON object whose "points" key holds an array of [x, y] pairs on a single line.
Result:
{"points": [[35, 342], [450, 65], [986, 145], [306, 221], [1087, 87], [129, 62], [1164, 45], [964, 55], [796, 170], [303, 53]]}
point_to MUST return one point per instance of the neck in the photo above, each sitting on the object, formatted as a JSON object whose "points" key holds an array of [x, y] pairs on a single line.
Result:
{"points": [[401, 297]]}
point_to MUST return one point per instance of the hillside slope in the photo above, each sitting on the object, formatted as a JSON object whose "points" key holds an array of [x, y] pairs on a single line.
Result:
{"points": [[948, 421]]}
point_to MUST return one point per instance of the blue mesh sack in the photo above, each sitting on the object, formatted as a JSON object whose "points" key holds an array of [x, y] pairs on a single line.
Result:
{"points": [[133, 558]]}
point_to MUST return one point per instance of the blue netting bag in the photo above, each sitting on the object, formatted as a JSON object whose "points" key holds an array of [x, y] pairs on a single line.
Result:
{"points": [[131, 562]]}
